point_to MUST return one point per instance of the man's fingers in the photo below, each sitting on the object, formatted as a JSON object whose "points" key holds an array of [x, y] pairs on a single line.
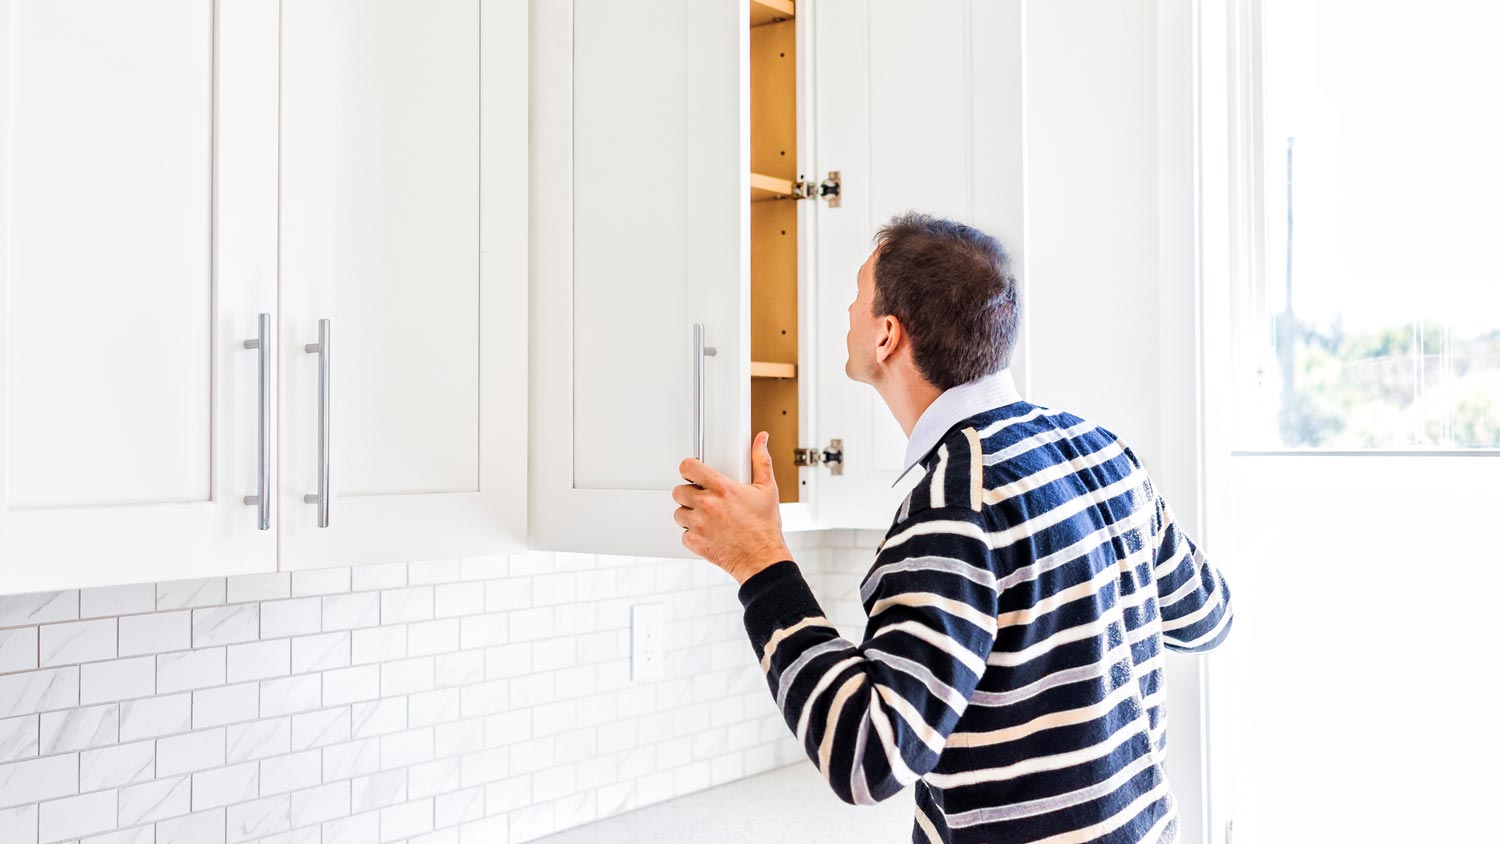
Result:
{"points": [[681, 516], [695, 471], [687, 495], [760, 461]]}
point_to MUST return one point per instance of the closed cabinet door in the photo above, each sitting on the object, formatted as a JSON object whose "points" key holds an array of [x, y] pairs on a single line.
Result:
{"points": [[639, 221], [139, 235], [919, 111], [403, 267]]}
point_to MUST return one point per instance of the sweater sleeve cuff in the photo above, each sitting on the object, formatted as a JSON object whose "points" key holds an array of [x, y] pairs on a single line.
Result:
{"points": [[775, 597]]}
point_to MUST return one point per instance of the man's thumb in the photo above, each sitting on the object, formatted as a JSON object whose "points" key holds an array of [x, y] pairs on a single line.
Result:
{"points": [[760, 460]]}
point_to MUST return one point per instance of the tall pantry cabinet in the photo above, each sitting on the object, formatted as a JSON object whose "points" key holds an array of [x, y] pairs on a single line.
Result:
{"points": [[707, 176], [341, 184]]}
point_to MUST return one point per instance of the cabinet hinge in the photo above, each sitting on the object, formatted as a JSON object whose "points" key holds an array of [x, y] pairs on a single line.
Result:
{"points": [[832, 457], [831, 189]]}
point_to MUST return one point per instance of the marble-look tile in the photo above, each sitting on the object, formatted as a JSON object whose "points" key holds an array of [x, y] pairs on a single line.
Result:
{"points": [[18, 824], [327, 581], [321, 803], [398, 606], [190, 752], [77, 641], [285, 695], [455, 807], [72, 817], [155, 800], [226, 625], [258, 660], [378, 717], [18, 737], [380, 576], [320, 727], [293, 771], [258, 818], [226, 705], [155, 633], [185, 670], [291, 617], [347, 612], [261, 586], [321, 651], [184, 594], [135, 835], [38, 607], [422, 572], [406, 820], [102, 601], [117, 679], [378, 790], [18, 649], [225, 786], [155, 716], [197, 828], [38, 691], [34, 780], [76, 729], [258, 739], [357, 829], [120, 765], [351, 759]]}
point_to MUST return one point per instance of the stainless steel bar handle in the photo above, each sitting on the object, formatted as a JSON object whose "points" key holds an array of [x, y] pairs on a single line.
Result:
{"points": [[322, 497], [700, 351], [262, 496]]}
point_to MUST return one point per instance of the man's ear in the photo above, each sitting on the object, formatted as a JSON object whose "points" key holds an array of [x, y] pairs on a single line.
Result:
{"points": [[888, 339]]}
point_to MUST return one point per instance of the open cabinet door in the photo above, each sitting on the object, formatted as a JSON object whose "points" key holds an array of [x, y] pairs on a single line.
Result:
{"points": [[919, 110], [639, 232]]}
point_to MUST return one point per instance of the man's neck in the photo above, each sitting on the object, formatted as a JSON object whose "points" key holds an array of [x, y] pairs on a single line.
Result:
{"points": [[908, 399]]}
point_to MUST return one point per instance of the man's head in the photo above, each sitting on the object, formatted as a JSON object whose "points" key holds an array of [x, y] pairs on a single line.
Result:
{"points": [[937, 299]]}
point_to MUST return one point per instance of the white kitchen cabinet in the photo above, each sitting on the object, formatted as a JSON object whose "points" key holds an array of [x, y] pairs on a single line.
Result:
{"points": [[667, 154], [139, 236], [403, 235]]}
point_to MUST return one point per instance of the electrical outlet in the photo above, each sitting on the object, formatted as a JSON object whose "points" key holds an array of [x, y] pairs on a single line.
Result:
{"points": [[645, 642]]}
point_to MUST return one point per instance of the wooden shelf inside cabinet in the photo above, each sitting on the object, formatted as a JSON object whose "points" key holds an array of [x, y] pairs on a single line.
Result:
{"points": [[763, 369], [770, 11], [770, 187]]}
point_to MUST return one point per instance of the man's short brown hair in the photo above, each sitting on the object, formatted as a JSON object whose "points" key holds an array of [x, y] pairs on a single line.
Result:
{"points": [[954, 291]]}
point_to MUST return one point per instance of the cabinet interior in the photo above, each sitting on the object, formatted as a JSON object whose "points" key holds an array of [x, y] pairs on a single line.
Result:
{"points": [[774, 262]]}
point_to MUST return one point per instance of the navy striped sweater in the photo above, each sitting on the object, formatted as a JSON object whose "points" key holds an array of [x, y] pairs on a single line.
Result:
{"points": [[1012, 665]]}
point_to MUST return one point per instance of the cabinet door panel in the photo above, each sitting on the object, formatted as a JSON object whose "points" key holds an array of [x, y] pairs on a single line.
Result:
{"points": [[403, 223], [919, 112], [140, 240], [640, 176]]}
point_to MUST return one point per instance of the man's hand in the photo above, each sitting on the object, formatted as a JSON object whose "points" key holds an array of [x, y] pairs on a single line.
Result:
{"points": [[735, 526]]}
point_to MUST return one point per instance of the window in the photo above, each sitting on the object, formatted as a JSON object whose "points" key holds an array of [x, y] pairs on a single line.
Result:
{"points": [[1374, 322]]}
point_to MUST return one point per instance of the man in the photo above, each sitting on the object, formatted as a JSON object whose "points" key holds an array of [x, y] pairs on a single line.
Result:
{"points": [[1012, 665]]}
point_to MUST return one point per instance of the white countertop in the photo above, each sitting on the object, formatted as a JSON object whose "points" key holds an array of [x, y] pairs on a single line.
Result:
{"points": [[789, 805]]}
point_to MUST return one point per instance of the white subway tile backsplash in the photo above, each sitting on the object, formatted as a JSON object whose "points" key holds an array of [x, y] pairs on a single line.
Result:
{"points": [[258, 818], [117, 679], [78, 641], [226, 625], [225, 786], [225, 705], [155, 633], [38, 691], [291, 617], [320, 727], [158, 716], [291, 772], [431, 702], [320, 652], [112, 767], [116, 600], [258, 660], [262, 586], [185, 670], [38, 608], [155, 800], [286, 695], [76, 729], [257, 739], [329, 581], [34, 780], [18, 737], [184, 594], [197, 828], [18, 649], [72, 817]]}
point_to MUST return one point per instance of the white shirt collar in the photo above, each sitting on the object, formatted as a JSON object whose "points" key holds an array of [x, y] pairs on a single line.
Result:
{"points": [[953, 406]]}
